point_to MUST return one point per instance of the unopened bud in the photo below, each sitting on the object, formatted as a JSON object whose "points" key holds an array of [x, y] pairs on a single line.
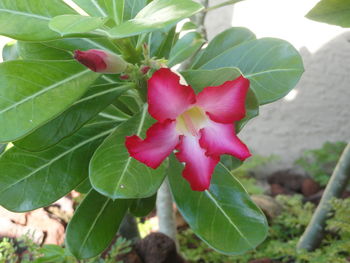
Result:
{"points": [[101, 61], [124, 76], [145, 69]]}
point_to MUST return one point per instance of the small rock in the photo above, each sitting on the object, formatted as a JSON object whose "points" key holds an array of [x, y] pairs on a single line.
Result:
{"points": [[277, 189], [157, 247], [288, 179], [309, 187], [131, 257], [261, 260]]}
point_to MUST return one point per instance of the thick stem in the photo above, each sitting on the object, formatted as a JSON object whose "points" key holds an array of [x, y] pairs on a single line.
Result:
{"points": [[165, 211], [314, 232]]}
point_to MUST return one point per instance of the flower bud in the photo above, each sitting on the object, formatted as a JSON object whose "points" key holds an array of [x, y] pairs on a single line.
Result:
{"points": [[101, 61], [144, 69]]}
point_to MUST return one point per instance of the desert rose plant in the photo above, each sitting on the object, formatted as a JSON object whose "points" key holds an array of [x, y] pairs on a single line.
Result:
{"points": [[91, 100]]}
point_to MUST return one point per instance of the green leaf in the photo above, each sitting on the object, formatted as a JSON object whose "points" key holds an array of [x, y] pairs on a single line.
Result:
{"points": [[94, 224], [117, 175], [185, 47], [41, 51], [28, 20], [143, 206], [118, 10], [113, 113], [132, 7], [93, 7], [335, 12], [34, 92], [95, 100], [199, 79], [161, 41], [223, 216], [74, 24], [10, 51], [225, 40], [157, 14], [273, 66], [29, 180]]}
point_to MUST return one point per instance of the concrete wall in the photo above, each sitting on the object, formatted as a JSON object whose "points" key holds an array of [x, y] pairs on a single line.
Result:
{"points": [[319, 108]]}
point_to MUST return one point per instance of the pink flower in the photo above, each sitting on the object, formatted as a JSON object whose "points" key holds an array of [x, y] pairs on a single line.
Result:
{"points": [[200, 127], [101, 61]]}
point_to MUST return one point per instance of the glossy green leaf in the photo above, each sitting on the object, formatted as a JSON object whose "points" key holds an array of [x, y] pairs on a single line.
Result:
{"points": [[273, 66], [29, 180], [143, 206], [185, 47], [93, 7], [113, 113], [29, 19], [119, 10], [95, 100], [161, 41], [10, 52], [114, 173], [223, 216], [74, 24], [335, 12], [41, 51], [229, 38], [199, 79], [34, 92], [94, 224], [132, 7], [157, 14]]}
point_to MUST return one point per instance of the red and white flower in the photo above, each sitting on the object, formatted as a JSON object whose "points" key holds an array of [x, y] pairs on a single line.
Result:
{"points": [[200, 127]]}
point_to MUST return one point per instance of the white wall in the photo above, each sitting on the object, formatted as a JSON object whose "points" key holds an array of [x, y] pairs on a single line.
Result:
{"points": [[319, 108]]}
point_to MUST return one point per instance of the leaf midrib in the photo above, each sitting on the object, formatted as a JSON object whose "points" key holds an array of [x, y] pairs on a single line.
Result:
{"points": [[36, 94], [139, 129], [227, 217], [26, 14], [93, 225], [59, 157]]}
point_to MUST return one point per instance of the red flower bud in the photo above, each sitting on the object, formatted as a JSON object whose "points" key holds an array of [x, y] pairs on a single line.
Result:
{"points": [[145, 69], [101, 61], [124, 77]]}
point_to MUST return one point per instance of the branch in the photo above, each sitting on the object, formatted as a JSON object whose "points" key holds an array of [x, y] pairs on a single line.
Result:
{"points": [[341, 175], [230, 2], [165, 212]]}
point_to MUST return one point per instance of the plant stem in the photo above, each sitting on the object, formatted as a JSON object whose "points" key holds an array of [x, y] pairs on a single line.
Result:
{"points": [[341, 175], [165, 211], [230, 2], [199, 20]]}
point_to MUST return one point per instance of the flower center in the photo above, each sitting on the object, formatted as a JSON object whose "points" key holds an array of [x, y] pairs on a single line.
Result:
{"points": [[191, 121]]}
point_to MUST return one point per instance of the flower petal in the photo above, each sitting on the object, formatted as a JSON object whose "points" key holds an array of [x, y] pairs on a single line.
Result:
{"points": [[199, 167], [161, 140], [167, 98], [225, 103], [218, 138]]}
